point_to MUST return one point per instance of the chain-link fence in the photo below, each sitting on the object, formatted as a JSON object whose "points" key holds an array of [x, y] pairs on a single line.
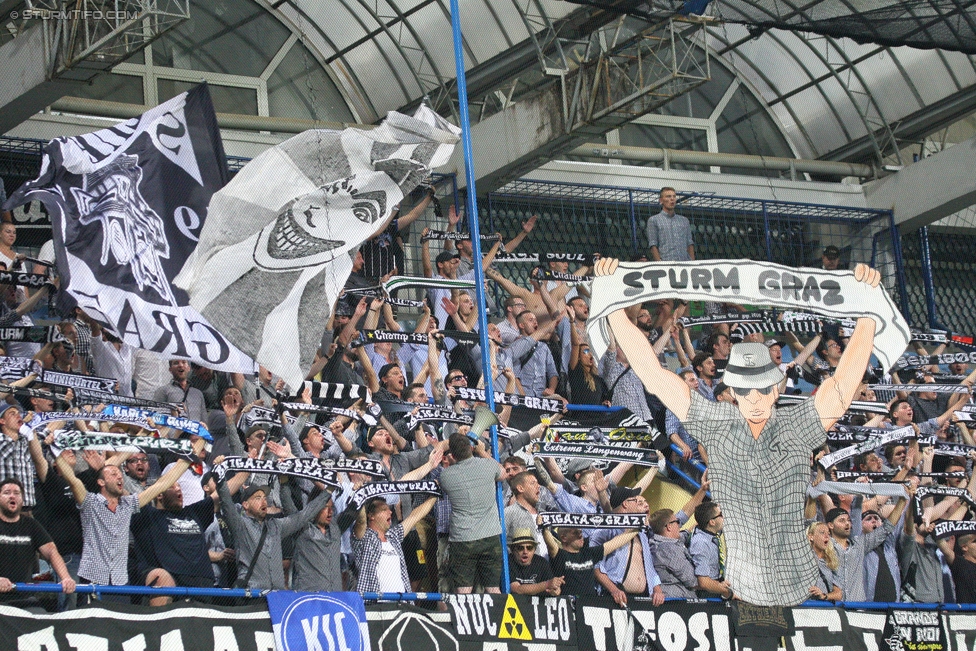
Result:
{"points": [[940, 275], [576, 218]]}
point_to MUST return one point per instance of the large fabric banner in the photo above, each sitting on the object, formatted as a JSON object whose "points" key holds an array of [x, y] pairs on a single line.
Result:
{"points": [[832, 293], [127, 205], [304, 621], [275, 250], [130, 628]]}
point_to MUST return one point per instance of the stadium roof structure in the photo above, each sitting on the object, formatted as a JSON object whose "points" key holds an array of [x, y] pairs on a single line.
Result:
{"points": [[773, 89]]}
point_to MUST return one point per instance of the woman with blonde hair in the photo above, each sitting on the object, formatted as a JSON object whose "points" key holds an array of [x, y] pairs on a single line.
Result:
{"points": [[827, 586]]}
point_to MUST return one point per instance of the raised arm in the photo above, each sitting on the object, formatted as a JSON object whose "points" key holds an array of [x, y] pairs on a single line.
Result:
{"points": [[527, 227], [836, 393], [68, 474], [416, 212], [418, 514], [170, 477]]}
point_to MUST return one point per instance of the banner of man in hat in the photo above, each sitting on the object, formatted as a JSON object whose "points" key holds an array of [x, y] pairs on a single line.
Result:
{"points": [[759, 457]]}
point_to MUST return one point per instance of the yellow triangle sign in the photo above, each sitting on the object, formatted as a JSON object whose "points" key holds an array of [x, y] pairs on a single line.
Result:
{"points": [[513, 624]]}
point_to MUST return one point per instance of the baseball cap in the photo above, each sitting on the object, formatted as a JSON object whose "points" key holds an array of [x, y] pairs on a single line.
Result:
{"points": [[773, 342], [248, 492], [446, 256], [835, 513], [831, 252], [621, 494], [386, 369]]}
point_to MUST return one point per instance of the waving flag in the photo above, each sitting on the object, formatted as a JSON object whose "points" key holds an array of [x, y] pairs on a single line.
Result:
{"points": [[127, 204], [275, 250]]}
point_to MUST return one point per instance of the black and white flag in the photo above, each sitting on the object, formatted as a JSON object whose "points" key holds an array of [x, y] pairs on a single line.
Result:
{"points": [[80, 381], [921, 388], [427, 487], [834, 294], [944, 491], [127, 205], [345, 393], [275, 250], [593, 520]]}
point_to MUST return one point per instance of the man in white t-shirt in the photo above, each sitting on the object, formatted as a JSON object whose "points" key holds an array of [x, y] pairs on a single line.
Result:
{"points": [[378, 546]]}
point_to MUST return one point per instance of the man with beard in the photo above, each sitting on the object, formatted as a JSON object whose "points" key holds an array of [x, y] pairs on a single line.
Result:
{"points": [[18, 446], [851, 549], [180, 392], [20, 538], [630, 569], [106, 515], [171, 548], [704, 367], [137, 473]]}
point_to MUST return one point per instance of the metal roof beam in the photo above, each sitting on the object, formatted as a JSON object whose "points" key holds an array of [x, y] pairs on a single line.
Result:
{"points": [[927, 191]]}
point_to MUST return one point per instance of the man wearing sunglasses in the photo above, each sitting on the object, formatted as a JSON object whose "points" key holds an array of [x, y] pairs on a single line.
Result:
{"points": [[758, 458]]}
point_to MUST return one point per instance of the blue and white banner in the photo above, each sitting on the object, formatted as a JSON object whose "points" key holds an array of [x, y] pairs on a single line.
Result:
{"points": [[305, 621]]}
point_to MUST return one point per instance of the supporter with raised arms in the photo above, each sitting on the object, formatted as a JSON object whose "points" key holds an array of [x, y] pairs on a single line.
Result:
{"points": [[759, 459]]}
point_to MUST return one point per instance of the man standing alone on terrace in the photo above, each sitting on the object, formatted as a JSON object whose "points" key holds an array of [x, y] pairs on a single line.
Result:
{"points": [[669, 234]]}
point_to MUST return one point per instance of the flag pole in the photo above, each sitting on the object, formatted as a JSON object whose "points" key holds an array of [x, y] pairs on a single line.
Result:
{"points": [[479, 275]]}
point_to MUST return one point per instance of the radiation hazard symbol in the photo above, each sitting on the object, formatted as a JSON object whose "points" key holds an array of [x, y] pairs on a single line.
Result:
{"points": [[513, 624]]}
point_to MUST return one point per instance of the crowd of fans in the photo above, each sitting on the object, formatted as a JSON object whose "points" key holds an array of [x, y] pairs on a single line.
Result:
{"points": [[157, 519]]}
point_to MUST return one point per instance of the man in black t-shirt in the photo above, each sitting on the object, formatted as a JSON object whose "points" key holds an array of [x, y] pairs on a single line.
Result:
{"points": [[171, 546], [530, 573], [574, 560], [962, 562], [20, 538]]}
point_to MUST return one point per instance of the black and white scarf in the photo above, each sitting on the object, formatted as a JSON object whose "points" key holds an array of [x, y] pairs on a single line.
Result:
{"points": [[593, 520], [918, 361], [834, 294], [75, 440], [34, 334], [427, 487], [920, 388], [611, 453], [180, 423], [17, 368], [108, 385], [945, 491], [502, 398], [945, 528], [311, 469], [42, 419], [22, 279], [436, 415], [301, 407], [884, 437], [454, 236], [536, 258]]}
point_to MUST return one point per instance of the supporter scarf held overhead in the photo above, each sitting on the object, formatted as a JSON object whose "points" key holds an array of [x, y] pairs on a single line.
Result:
{"points": [[835, 294], [127, 204], [274, 252]]}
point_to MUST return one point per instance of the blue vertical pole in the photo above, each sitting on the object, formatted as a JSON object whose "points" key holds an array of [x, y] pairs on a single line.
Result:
{"points": [[479, 276], [923, 235]]}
